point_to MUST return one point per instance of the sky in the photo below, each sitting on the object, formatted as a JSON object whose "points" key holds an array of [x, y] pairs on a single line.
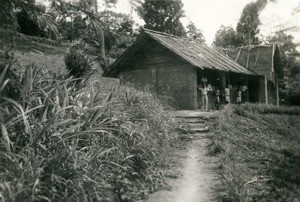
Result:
{"points": [[209, 15]]}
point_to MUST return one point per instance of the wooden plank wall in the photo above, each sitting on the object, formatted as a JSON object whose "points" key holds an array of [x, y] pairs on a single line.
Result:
{"points": [[157, 68]]}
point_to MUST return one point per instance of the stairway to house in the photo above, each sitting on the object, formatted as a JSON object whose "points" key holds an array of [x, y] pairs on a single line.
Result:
{"points": [[194, 123], [198, 181]]}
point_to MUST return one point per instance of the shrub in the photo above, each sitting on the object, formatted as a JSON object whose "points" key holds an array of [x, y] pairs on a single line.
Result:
{"points": [[62, 143], [77, 62]]}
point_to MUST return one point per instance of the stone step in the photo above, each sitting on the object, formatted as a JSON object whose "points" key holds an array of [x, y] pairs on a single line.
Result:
{"points": [[194, 129], [194, 136], [200, 130], [196, 125], [195, 114], [190, 119]]}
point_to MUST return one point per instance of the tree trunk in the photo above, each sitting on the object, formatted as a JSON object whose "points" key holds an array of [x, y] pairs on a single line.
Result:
{"points": [[101, 35], [96, 6], [102, 41]]}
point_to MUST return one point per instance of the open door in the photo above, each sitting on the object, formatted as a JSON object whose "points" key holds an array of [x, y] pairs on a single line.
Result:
{"points": [[253, 89]]}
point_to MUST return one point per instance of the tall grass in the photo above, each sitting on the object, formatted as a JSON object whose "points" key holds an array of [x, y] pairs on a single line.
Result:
{"points": [[62, 142], [266, 109], [259, 152]]}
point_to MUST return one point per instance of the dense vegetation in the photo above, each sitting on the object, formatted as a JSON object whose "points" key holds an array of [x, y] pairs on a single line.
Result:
{"points": [[64, 140], [259, 152], [67, 141]]}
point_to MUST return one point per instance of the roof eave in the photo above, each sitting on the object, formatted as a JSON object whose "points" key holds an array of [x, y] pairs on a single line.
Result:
{"points": [[114, 68]]}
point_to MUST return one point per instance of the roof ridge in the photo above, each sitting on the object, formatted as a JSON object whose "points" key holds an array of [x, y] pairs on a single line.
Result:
{"points": [[255, 46], [161, 33], [197, 54]]}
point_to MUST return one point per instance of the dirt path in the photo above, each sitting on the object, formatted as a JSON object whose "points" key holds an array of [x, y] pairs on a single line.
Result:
{"points": [[199, 181]]}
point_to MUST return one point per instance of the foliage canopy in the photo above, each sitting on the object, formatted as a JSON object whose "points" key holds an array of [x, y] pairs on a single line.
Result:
{"points": [[163, 16], [194, 34], [247, 27], [226, 37]]}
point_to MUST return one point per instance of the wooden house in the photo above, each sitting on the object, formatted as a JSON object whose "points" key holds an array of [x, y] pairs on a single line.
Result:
{"points": [[173, 67], [263, 60]]}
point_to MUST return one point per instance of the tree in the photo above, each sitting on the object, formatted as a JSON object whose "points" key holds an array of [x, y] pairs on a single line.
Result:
{"points": [[194, 34], [20, 14], [119, 34], [163, 15], [119, 31], [29, 25], [226, 37], [109, 3], [290, 84], [135, 5], [248, 25], [87, 11], [7, 17]]}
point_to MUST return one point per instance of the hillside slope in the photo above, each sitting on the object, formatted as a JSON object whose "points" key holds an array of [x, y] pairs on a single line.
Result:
{"points": [[27, 50], [46, 54]]}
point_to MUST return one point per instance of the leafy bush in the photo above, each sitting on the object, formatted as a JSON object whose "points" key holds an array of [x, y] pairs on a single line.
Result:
{"points": [[260, 145], [77, 62], [62, 143]]}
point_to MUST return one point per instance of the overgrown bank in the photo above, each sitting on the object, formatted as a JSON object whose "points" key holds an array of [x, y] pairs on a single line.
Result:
{"points": [[63, 142], [259, 150]]}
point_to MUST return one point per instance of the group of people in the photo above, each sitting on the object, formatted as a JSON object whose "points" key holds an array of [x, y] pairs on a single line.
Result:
{"points": [[241, 95]]}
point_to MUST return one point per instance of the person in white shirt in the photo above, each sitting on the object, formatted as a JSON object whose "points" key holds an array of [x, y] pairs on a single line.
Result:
{"points": [[239, 97], [204, 98], [227, 95]]}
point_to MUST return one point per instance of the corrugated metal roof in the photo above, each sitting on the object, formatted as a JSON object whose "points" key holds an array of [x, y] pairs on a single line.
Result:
{"points": [[195, 53], [198, 54]]}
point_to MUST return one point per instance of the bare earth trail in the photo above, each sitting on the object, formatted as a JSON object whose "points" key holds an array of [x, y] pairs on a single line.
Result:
{"points": [[199, 181]]}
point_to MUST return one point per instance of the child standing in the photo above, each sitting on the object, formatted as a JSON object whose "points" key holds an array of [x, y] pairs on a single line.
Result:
{"points": [[243, 90], [239, 97]]}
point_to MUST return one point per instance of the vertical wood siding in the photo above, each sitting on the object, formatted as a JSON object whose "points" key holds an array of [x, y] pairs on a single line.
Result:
{"points": [[160, 70]]}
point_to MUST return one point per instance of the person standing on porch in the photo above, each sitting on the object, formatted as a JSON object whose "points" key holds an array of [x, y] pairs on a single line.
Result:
{"points": [[244, 89], [227, 94], [204, 97], [217, 103], [239, 97]]}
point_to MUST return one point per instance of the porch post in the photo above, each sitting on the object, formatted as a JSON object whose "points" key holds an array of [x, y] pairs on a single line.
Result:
{"points": [[277, 90], [222, 80], [194, 88], [266, 90]]}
